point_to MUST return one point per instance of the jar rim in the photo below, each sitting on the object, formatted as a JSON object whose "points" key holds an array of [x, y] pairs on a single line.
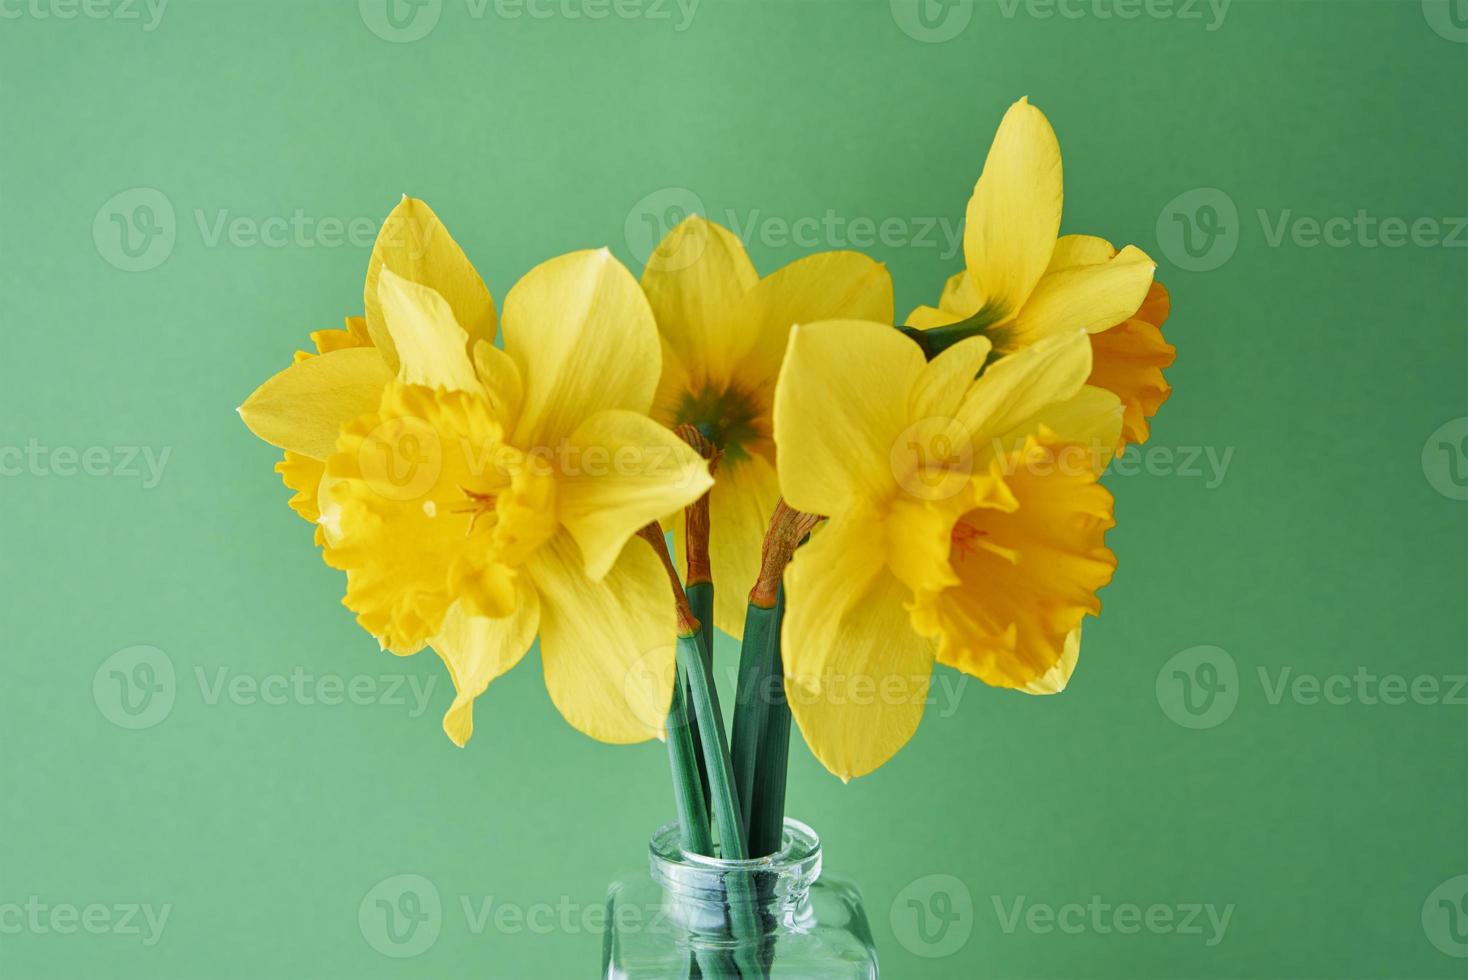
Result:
{"points": [[798, 861]]}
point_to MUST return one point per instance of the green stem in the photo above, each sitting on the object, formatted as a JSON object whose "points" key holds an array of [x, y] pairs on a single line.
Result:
{"points": [[751, 708], [722, 797], [693, 654], [688, 796], [701, 602], [938, 339], [766, 807]]}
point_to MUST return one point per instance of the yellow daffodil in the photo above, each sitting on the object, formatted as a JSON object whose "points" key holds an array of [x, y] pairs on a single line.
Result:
{"points": [[1024, 284], [965, 525], [303, 408], [477, 496], [723, 333]]}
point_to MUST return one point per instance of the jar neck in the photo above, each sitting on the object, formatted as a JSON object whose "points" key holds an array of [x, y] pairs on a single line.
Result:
{"points": [[701, 890]]}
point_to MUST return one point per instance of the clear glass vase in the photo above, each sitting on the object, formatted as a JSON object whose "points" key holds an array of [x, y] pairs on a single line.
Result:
{"points": [[690, 916]]}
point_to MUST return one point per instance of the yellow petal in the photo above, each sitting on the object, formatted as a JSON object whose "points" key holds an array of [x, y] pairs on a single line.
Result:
{"points": [[1086, 297], [840, 408], [825, 286], [1089, 422], [607, 647], [1014, 214], [430, 345], [856, 673], [694, 280], [1073, 250], [304, 407], [1057, 677], [1029, 566], [1016, 387], [1129, 358], [584, 339], [740, 506], [947, 378], [355, 335], [416, 501], [302, 474], [477, 649], [928, 317], [960, 296], [620, 472], [960, 300], [414, 244], [917, 534], [501, 380]]}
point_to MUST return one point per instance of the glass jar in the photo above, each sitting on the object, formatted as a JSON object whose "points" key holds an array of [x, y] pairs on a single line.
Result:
{"points": [[691, 916]]}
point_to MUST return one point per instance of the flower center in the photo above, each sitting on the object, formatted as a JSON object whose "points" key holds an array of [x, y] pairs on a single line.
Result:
{"points": [[965, 539], [732, 418]]}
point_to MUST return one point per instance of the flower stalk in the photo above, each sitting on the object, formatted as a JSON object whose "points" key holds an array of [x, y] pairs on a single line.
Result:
{"points": [[761, 740]]}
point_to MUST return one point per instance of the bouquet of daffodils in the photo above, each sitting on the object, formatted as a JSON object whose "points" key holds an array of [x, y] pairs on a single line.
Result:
{"points": [[869, 498]]}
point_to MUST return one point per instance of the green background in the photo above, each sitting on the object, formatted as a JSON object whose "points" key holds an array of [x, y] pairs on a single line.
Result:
{"points": [[1331, 543]]}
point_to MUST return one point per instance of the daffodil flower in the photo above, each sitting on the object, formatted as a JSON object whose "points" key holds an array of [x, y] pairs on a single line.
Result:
{"points": [[302, 408], [966, 524], [1023, 284], [723, 332], [479, 496]]}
